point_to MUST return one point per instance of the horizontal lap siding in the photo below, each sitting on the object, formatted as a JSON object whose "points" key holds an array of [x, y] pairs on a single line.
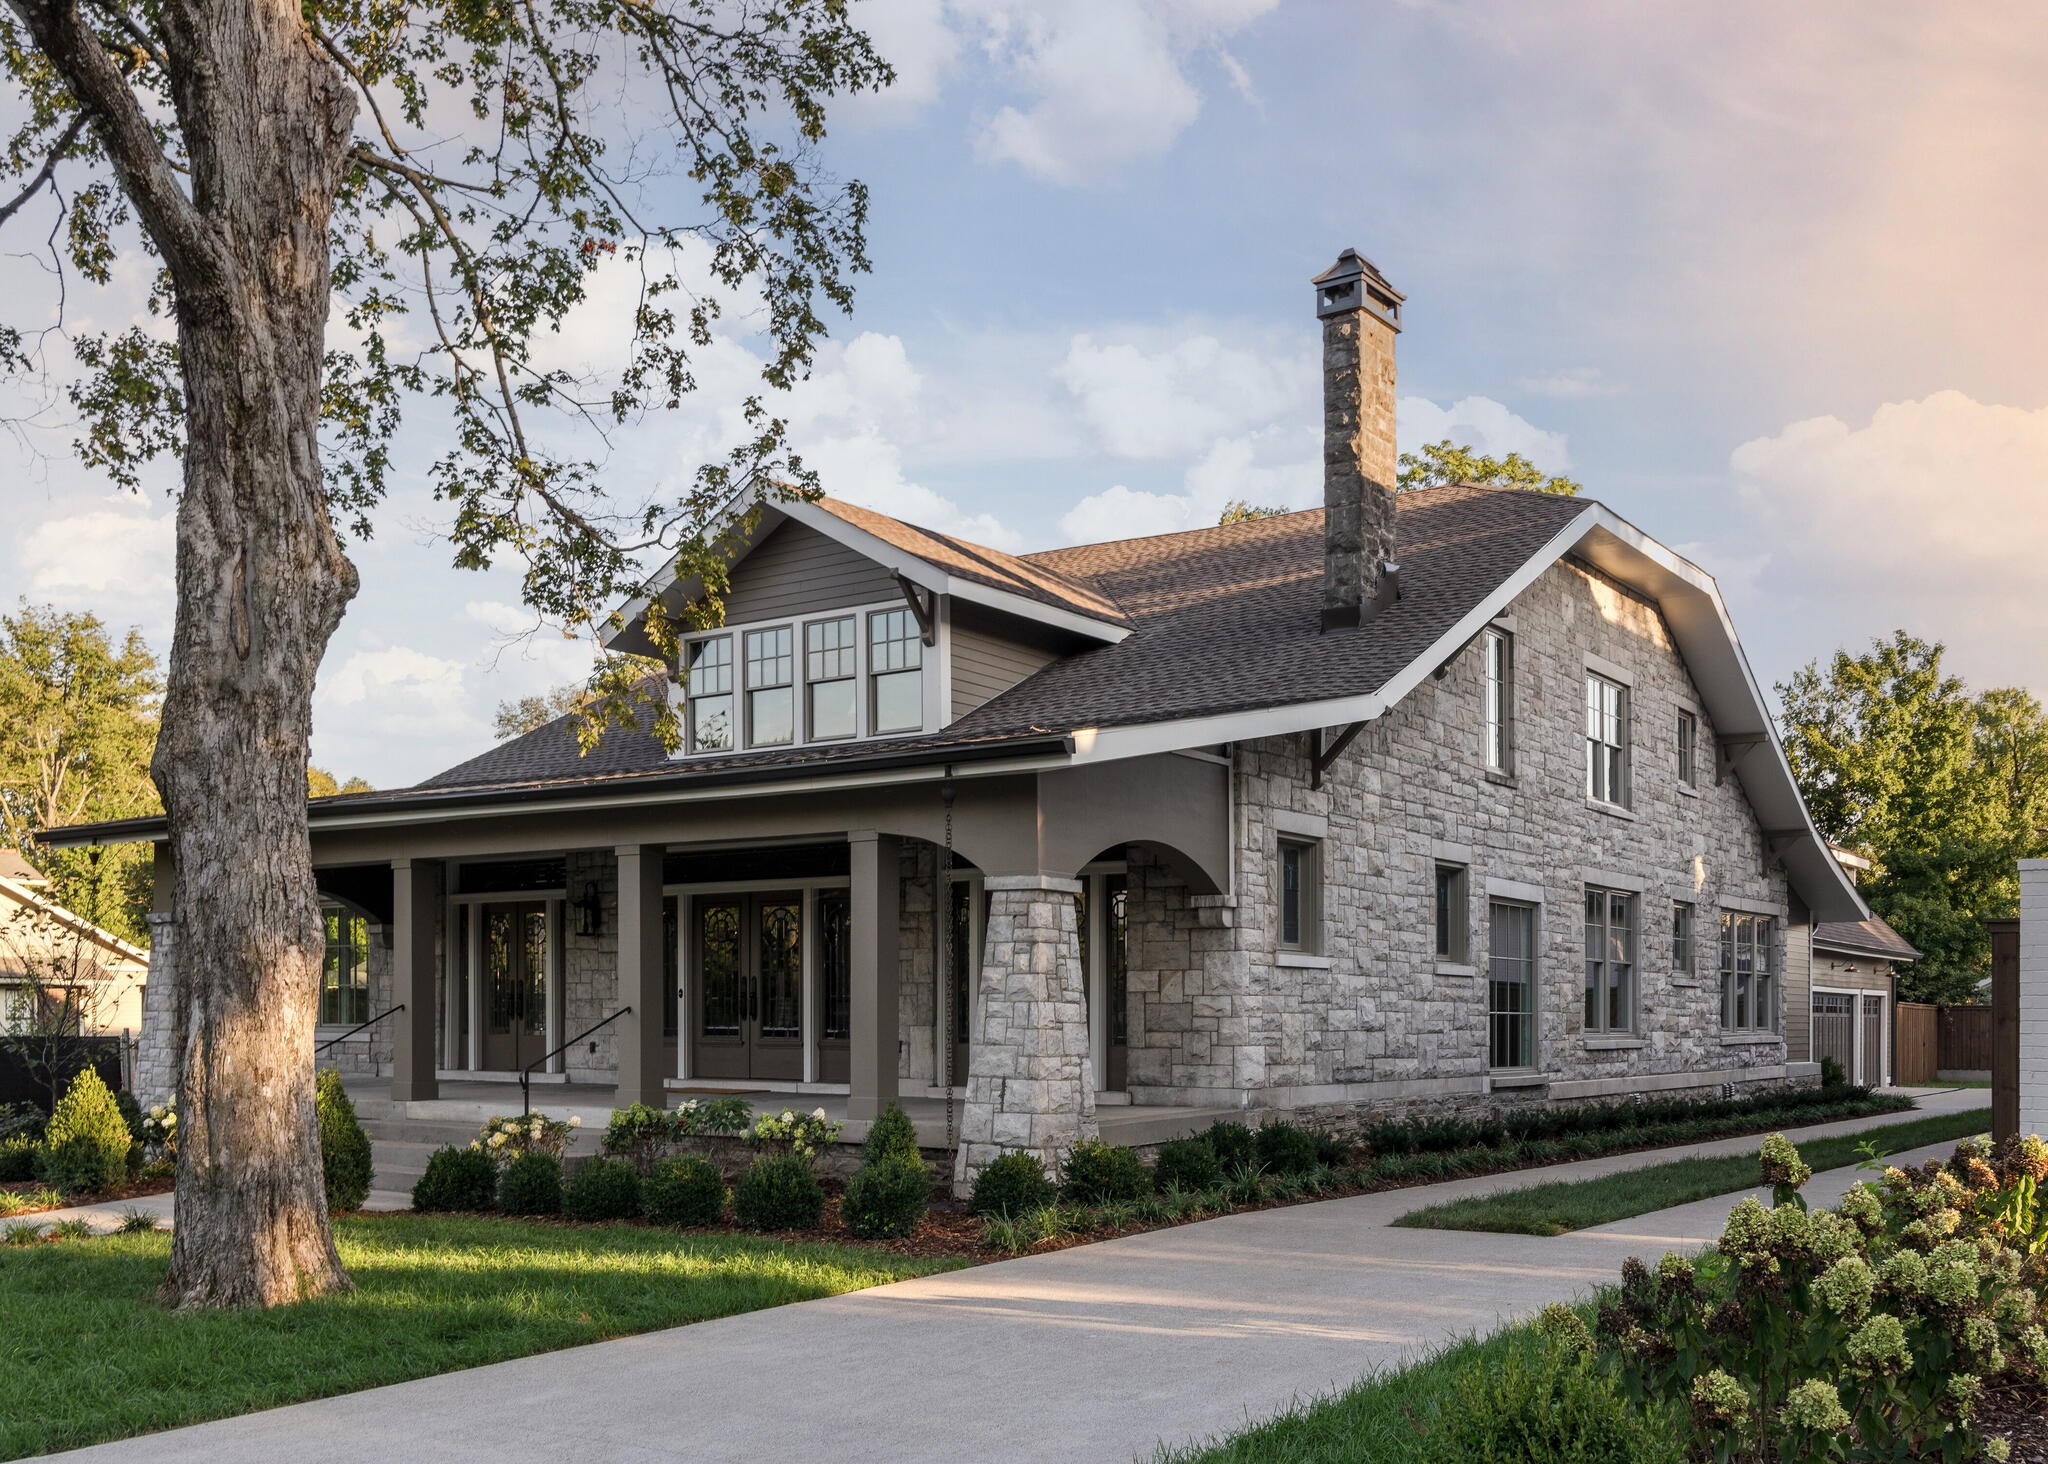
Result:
{"points": [[986, 662], [798, 571]]}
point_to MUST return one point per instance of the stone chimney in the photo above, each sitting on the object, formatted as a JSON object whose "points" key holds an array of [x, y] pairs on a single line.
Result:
{"points": [[1361, 315]]}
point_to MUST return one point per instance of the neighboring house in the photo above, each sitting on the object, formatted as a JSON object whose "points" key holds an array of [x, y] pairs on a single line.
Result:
{"points": [[1850, 994], [1447, 802], [60, 973]]}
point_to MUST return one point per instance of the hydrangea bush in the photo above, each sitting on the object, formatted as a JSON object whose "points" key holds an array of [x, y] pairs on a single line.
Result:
{"points": [[646, 1136], [509, 1136], [158, 1130], [789, 1132], [1865, 1332]]}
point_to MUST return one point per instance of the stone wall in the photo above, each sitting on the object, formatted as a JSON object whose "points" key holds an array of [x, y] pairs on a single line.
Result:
{"points": [[156, 1058], [917, 950], [590, 969]]}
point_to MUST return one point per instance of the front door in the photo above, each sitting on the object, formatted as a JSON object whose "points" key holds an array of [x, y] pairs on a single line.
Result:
{"points": [[750, 1003], [515, 980]]}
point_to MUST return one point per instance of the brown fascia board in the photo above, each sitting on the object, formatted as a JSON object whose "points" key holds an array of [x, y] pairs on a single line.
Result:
{"points": [[433, 800]]}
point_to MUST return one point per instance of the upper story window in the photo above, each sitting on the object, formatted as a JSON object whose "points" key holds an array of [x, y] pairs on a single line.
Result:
{"points": [[345, 974], [1300, 896], [831, 678], [1610, 961], [771, 688], [1607, 741], [1749, 998], [1500, 701], [1688, 750], [710, 694], [895, 672]]}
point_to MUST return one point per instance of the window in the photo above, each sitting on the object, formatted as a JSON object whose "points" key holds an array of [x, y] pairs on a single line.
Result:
{"points": [[1500, 702], [1606, 741], [771, 690], [829, 688], [1682, 916], [345, 975], [895, 672], [1688, 750], [1300, 893], [710, 694], [1511, 985], [1749, 998], [1453, 943], [1610, 961]]}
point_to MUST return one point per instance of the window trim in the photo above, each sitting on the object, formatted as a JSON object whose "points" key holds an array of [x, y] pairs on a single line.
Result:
{"points": [[1451, 926], [749, 688], [1308, 939], [1686, 971], [1688, 750], [1618, 755], [851, 650], [1764, 963], [346, 918], [874, 676], [1497, 700], [1596, 1021]]}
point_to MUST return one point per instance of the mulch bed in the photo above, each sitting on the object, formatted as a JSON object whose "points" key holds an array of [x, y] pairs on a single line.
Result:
{"points": [[2017, 1409], [134, 1190]]}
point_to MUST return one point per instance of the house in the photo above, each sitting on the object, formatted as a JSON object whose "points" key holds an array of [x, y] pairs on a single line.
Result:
{"points": [[1439, 801], [1850, 1001], [60, 974]]}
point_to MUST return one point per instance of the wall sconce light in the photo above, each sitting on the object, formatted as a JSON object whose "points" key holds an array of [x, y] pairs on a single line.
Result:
{"points": [[589, 912]]}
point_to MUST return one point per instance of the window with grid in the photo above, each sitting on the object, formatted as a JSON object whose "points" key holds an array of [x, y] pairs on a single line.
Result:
{"points": [[1688, 749], [1606, 741], [709, 693], [1682, 921], [1610, 961], [771, 687], [895, 672], [1749, 996], [1511, 985], [1300, 892], [345, 974], [1452, 942], [1500, 701], [830, 691]]}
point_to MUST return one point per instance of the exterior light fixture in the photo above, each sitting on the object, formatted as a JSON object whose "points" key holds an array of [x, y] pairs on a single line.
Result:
{"points": [[589, 912]]}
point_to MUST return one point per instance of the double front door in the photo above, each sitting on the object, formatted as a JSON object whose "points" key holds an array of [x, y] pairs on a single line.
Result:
{"points": [[750, 964], [513, 940]]}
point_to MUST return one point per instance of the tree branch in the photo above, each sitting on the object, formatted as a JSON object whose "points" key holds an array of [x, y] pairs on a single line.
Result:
{"points": [[43, 174]]}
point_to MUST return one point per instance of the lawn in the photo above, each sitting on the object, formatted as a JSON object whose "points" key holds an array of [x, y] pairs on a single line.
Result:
{"points": [[1564, 1206], [87, 1355]]}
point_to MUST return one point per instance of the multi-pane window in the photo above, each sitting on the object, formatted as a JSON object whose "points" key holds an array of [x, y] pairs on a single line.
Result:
{"points": [[1682, 958], [345, 974], [829, 682], [1749, 997], [1688, 749], [1452, 941], [1500, 701], [1300, 891], [1511, 985], [895, 672], [771, 688], [710, 694], [1610, 961], [1606, 741]]}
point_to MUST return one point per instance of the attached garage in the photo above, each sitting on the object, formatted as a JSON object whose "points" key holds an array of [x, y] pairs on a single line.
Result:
{"points": [[1853, 995]]}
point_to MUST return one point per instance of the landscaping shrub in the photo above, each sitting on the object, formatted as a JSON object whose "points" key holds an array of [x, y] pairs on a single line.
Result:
{"points": [[1333, 1151], [507, 1137], [1233, 1143], [1095, 1173], [17, 1158], [779, 1192], [893, 1134], [639, 1134], [602, 1189], [1013, 1185], [1286, 1148], [1187, 1164], [457, 1180], [85, 1146], [21, 1119], [1547, 1403], [803, 1135], [886, 1197], [685, 1190], [344, 1147], [131, 1113], [531, 1185], [1833, 1074]]}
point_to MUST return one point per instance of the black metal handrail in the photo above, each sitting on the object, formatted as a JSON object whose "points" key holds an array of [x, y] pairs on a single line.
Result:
{"points": [[359, 1027], [525, 1073]]}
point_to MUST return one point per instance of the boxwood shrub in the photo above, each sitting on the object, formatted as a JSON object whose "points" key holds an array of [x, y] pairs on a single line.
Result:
{"points": [[893, 1134], [531, 1185], [685, 1190], [602, 1189], [85, 1147], [886, 1197], [1286, 1148], [1233, 1143], [1011, 1186], [779, 1192], [1095, 1173], [1188, 1165], [344, 1147], [457, 1180]]}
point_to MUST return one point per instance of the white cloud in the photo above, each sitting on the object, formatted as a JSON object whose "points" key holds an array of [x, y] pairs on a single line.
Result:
{"points": [[1279, 467], [1482, 424], [1174, 398], [914, 37], [119, 561], [1568, 383], [380, 708]]}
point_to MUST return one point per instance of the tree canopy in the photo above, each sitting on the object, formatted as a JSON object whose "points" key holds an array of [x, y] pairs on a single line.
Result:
{"points": [[531, 713], [1244, 511], [322, 784], [1442, 463], [1942, 789]]}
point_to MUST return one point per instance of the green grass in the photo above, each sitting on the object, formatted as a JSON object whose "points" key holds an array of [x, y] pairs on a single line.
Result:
{"points": [[86, 1353], [1568, 1205]]}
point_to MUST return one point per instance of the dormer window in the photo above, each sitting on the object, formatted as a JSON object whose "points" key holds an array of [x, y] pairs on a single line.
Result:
{"points": [[895, 672], [771, 688], [710, 694], [831, 679]]}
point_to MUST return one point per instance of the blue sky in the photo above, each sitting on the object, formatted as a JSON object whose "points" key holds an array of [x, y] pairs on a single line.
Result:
{"points": [[1764, 278]]}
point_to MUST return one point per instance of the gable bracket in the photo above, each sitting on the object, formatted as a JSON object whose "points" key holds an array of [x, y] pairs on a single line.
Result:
{"points": [[1729, 748], [1321, 760], [924, 604]]}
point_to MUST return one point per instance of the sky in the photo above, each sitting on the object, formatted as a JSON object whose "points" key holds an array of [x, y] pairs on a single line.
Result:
{"points": [[1765, 278]]}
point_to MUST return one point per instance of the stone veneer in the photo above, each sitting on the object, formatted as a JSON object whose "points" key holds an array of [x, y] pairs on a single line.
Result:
{"points": [[1030, 1080]]}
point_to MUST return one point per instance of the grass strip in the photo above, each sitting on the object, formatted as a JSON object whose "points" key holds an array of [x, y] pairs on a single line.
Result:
{"points": [[1567, 1205], [86, 1353]]}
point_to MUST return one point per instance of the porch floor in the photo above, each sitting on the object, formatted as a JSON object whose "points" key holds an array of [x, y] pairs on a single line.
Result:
{"points": [[469, 1101]]}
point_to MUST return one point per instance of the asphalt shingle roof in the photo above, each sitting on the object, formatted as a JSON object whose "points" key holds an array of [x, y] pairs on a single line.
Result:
{"points": [[1872, 936]]}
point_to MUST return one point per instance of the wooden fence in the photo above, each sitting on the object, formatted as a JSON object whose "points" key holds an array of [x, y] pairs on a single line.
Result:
{"points": [[1933, 1040]]}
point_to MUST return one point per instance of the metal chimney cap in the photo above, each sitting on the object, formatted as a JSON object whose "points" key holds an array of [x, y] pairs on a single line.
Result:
{"points": [[1355, 283]]}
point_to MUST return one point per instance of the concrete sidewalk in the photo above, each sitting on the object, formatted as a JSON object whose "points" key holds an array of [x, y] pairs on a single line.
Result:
{"points": [[1095, 1353]]}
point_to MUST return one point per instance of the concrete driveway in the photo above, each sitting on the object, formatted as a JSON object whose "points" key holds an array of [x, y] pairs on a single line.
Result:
{"points": [[1096, 1353]]}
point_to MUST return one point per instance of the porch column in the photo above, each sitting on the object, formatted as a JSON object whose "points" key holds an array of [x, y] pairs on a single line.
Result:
{"points": [[1030, 1075], [640, 1048], [158, 1044], [877, 921], [415, 895]]}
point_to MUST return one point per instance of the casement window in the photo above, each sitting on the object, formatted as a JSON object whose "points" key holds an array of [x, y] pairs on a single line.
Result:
{"points": [[709, 694], [831, 687], [345, 974], [1510, 985], [1749, 988], [1453, 913], [895, 672], [1683, 916], [1688, 750], [1300, 896], [771, 687], [1499, 698], [1610, 961], [1607, 741]]}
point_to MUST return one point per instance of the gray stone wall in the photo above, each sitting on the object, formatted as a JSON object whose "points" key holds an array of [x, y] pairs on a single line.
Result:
{"points": [[590, 969], [156, 1059], [917, 950]]}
